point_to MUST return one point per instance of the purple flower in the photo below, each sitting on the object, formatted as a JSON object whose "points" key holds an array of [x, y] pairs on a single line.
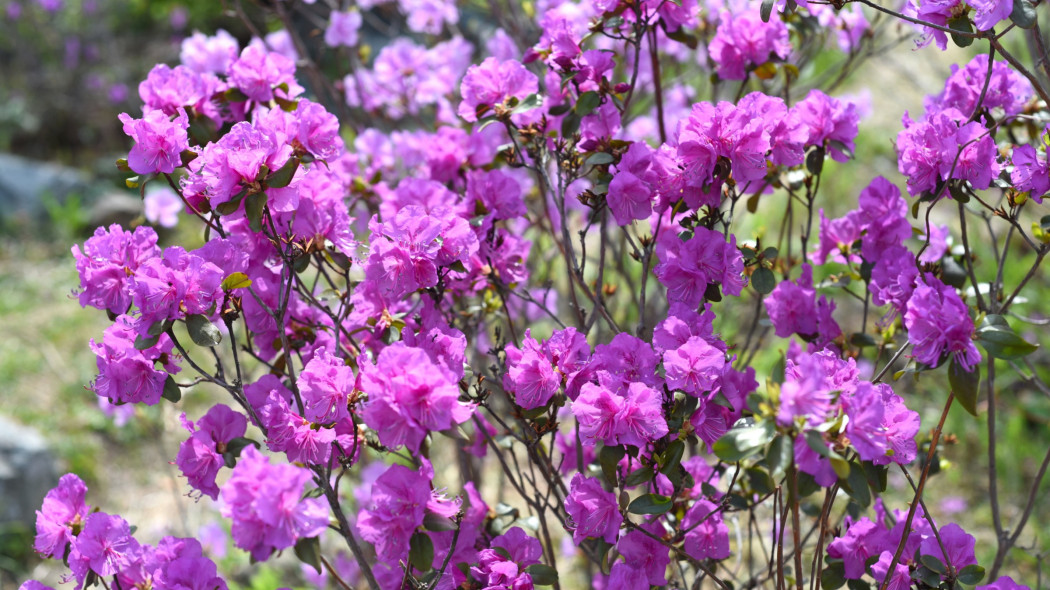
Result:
{"points": [[428, 16], [159, 141], [630, 195], [687, 267], [104, 546], [893, 278], [958, 549], [325, 385], [1006, 88], [266, 504], [695, 367], [342, 28], [794, 309], [708, 536], [1031, 173], [209, 55], [126, 373], [108, 259], [530, 376], [409, 395], [61, 516], [201, 455], [900, 425], [899, 579], [743, 41], [863, 539], [397, 507], [492, 83], [939, 325], [593, 510], [831, 123], [865, 430], [499, 192], [256, 73], [645, 555]]}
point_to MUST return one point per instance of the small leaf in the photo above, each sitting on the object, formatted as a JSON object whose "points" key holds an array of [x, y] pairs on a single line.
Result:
{"points": [[857, 485], [929, 578], [237, 280], [763, 280], [1023, 14], [309, 552], [421, 551], [672, 456], [639, 476], [997, 337], [833, 576], [202, 331], [933, 564], [766, 10], [962, 24], [965, 385], [587, 102], [542, 574], [599, 158], [742, 442], [650, 504], [971, 574], [531, 101], [609, 458], [172, 392], [781, 450], [144, 342], [283, 177], [815, 160], [760, 480], [253, 210], [437, 523]]}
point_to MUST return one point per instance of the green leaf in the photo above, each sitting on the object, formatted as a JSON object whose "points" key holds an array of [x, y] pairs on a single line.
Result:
{"points": [[760, 480], [309, 552], [763, 280], [253, 210], [833, 576], [144, 342], [927, 577], [741, 442], [531, 101], [671, 458], [857, 485], [283, 177], [650, 504], [965, 385], [570, 125], [421, 551], [816, 442], [237, 280], [781, 450], [839, 464], [815, 160], [172, 392], [933, 564], [609, 458], [437, 523], [599, 158], [962, 24], [202, 331], [766, 10], [997, 337], [683, 36], [639, 476], [542, 574], [1023, 14], [971, 574], [587, 102]]}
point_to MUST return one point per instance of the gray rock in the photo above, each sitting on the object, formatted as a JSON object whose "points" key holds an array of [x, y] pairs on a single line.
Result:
{"points": [[25, 185], [27, 471]]}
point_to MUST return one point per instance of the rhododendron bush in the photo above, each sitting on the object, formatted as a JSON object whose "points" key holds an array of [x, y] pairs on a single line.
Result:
{"points": [[564, 304]]}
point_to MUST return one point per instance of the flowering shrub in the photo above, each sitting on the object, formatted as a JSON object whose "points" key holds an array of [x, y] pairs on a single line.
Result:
{"points": [[541, 264]]}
